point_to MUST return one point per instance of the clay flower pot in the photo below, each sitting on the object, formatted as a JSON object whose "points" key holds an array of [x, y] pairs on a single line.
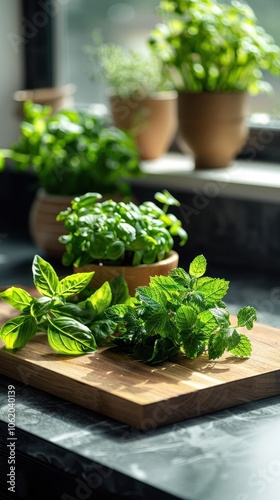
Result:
{"points": [[56, 97], [212, 126], [43, 226], [151, 120], [134, 275]]}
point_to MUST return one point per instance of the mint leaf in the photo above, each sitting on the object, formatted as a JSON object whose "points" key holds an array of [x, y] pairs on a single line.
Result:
{"points": [[144, 293], [164, 283], [156, 351], [102, 330], [246, 317], [218, 343], [221, 315], [241, 347], [192, 345], [185, 317], [180, 276], [206, 323], [156, 322], [213, 290], [198, 267]]}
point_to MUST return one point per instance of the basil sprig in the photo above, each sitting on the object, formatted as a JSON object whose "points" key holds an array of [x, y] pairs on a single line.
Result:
{"points": [[73, 326]]}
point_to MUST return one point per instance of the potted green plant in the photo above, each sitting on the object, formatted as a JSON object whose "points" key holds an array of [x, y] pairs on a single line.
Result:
{"points": [[216, 54], [141, 97], [117, 238], [70, 152]]}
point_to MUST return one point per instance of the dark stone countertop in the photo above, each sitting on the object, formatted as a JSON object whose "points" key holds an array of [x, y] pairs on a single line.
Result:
{"points": [[66, 452]]}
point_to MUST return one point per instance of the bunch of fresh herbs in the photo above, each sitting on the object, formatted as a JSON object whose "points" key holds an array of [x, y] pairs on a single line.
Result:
{"points": [[183, 312], [119, 233], [73, 151], [180, 313], [73, 319], [214, 46]]}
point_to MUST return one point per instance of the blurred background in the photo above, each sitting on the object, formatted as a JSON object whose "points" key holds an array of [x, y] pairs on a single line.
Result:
{"points": [[42, 45]]}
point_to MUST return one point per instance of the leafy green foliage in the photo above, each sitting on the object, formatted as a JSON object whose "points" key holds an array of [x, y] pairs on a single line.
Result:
{"points": [[119, 233], [126, 72], [214, 46], [74, 320], [181, 312], [72, 152]]}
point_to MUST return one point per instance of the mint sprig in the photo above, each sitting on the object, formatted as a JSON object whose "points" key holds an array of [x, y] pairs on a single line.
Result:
{"points": [[182, 312]]}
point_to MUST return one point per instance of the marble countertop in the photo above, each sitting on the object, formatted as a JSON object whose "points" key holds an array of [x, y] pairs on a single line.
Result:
{"points": [[228, 455]]}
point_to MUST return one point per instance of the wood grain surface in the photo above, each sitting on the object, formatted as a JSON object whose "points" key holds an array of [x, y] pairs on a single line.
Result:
{"points": [[116, 385]]}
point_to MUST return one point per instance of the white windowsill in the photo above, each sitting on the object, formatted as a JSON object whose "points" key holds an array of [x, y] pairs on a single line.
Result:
{"points": [[246, 179]]}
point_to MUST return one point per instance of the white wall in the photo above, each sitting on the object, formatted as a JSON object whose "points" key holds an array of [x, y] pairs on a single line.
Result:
{"points": [[11, 72]]}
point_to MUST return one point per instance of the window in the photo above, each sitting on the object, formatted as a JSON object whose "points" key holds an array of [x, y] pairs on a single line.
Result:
{"points": [[129, 22]]}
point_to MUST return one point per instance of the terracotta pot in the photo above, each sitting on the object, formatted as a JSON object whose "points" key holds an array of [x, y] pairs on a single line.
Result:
{"points": [[151, 120], [212, 126], [56, 97], [134, 275], [43, 226]]}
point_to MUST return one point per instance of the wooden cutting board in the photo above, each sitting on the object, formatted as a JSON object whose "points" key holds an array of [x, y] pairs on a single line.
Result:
{"points": [[116, 385]]}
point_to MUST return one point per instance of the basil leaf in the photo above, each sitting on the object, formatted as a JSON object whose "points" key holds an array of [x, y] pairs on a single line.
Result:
{"points": [[73, 284], [68, 336], [44, 276], [72, 311], [100, 299], [17, 331], [17, 297], [119, 289], [41, 306]]}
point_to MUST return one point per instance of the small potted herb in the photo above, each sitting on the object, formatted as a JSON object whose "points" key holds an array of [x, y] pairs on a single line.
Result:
{"points": [[112, 238], [216, 53], [141, 97], [69, 152]]}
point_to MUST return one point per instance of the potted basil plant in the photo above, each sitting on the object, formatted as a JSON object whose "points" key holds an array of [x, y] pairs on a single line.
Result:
{"points": [[216, 54], [141, 98], [69, 152], [117, 238]]}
